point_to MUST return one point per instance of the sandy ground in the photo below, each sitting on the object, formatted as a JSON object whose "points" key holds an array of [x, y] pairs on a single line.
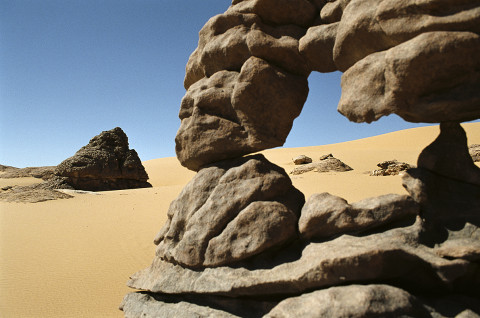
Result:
{"points": [[72, 257]]}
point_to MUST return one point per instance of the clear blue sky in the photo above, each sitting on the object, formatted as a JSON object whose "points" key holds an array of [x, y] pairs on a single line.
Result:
{"points": [[70, 69]]}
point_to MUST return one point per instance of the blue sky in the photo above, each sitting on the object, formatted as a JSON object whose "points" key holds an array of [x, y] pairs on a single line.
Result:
{"points": [[70, 69]]}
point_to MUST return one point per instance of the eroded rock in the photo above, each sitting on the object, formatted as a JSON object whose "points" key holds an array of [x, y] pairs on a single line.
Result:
{"points": [[325, 215], [397, 80], [232, 114], [355, 301], [390, 168], [324, 165], [230, 211], [474, 151], [301, 160], [106, 163]]}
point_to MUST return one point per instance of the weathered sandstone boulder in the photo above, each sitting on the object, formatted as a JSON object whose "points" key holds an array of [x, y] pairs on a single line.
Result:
{"points": [[325, 164], [317, 47], [369, 26], [235, 243], [394, 255], [229, 212], [325, 215], [430, 78], [232, 114], [228, 40], [106, 163], [301, 160], [355, 301], [390, 168]]}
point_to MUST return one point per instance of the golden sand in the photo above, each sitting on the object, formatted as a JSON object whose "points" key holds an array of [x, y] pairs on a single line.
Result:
{"points": [[72, 257]]}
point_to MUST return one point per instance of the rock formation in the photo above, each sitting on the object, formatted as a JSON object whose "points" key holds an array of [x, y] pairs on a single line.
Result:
{"points": [[236, 245], [301, 160], [474, 151], [390, 168], [106, 163], [327, 163]]}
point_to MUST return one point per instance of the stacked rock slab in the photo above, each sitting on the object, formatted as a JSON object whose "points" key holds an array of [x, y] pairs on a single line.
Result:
{"points": [[241, 241], [105, 163]]}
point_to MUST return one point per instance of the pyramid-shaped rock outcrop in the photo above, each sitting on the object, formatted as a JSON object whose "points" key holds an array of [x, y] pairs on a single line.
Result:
{"points": [[106, 163], [240, 240]]}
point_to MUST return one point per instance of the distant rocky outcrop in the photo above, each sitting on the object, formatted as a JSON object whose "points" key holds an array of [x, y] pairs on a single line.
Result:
{"points": [[38, 192], [44, 173], [229, 249], [390, 168], [474, 151], [327, 163], [301, 160], [106, 163]]}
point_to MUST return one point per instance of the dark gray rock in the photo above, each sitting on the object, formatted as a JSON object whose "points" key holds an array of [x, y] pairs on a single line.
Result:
{"points": [[229, 212], [106, 163], [448, 155], [325, 215]]}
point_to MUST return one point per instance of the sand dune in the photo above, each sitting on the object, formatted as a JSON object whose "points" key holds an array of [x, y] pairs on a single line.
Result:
{"points": [[71, 258]]}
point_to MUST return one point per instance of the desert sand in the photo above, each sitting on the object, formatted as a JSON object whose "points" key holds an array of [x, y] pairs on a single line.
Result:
{"points": [[72, 257]]}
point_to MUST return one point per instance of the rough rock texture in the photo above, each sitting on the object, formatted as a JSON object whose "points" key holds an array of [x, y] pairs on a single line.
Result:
{"points": [[232, 232], [325, 215], [421, 80], [394, 256], [232, 114], [317, 47], [324, 165], [230, 211], [44, 173], [34, 193], [474, 151], [390, 168], [355, 301], [106, 163], [301, 160]]}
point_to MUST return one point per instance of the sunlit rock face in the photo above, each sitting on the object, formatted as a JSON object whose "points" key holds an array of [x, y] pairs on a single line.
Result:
{"points": [[240, 241]]}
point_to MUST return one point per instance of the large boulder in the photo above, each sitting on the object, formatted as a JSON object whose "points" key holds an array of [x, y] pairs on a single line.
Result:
{"points": [[231, 114], [106, 163], [430, 78], [325, 215], [229, 212]]}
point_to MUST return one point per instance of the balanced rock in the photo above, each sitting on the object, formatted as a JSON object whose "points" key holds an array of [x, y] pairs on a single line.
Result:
{"points": [[325, 215], [229, 212], [301, 160], [106, 163], [231, 114], [390, 168]]}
